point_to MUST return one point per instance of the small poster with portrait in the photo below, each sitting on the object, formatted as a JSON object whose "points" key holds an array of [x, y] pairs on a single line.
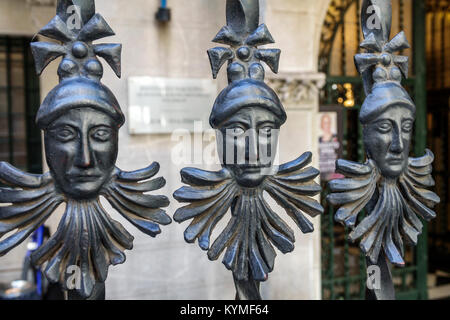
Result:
{"points": [[330, 141]]}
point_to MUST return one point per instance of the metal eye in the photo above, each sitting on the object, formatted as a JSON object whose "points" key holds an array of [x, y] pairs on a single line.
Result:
{"points": [[407, 126], [64, 134], [384, 126], [238, 131], [266, 131], [235, 131], [102, 134]]}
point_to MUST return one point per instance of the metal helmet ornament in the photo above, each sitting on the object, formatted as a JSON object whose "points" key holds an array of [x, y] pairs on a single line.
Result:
{"points": [[392, 187], [247, 115], [80, 118]]}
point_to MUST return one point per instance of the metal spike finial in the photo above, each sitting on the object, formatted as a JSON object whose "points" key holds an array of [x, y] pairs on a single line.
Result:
{"points": [[376, 19], [76, 26], [84, 8], [379, 64], [243, 15], [243, 34]]}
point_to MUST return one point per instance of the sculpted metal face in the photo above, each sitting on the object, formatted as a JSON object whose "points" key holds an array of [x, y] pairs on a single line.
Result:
{"points": [[250, 138], [247, 115], [387, 140], [81, 151], [391, 187], [80, 118]]}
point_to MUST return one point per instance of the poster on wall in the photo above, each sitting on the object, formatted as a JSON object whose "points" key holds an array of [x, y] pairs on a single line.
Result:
{"points": [[330, 141]]}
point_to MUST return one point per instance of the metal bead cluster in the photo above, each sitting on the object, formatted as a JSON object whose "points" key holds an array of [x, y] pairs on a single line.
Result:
{"points": [[80, 61], [386, 70]]}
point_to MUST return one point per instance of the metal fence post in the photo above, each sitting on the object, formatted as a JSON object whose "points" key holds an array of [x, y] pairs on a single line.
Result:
{"points": [[421, 130], [247, 116], [80, 118], [392, 187]]}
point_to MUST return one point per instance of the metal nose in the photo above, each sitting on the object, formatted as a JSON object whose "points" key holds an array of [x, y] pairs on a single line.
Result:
{"points": [[84, 154], [252, 148], [397, 145]]}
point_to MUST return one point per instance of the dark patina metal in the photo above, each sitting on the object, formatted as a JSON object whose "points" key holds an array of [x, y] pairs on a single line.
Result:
{"points": [[80, 119], [390, 186], [247, 108]]}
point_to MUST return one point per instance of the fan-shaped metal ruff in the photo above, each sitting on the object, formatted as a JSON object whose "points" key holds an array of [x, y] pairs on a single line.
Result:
{"points": [[86, 236], [393, 205], [27, 204], [254, 228]]}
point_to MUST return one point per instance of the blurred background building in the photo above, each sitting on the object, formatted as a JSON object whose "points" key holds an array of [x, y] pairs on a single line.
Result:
{"points": [[321, 90]]}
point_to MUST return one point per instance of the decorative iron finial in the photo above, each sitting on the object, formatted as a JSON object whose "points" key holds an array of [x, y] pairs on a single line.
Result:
{"points": [[247, 115], [243, 34], [80, 118], [76, 31], [390, 186], [379, 64]]}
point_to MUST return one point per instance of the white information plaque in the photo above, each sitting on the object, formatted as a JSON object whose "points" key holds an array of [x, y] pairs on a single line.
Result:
{"points": [[162, 105]]}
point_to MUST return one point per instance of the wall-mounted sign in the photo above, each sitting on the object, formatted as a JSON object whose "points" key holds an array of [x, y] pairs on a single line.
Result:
{"points": [[162, 105]]}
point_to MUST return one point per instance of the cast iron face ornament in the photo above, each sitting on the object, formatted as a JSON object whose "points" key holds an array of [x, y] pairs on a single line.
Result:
{"points": [[247, 115], [80, 118], [390, 186]]}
